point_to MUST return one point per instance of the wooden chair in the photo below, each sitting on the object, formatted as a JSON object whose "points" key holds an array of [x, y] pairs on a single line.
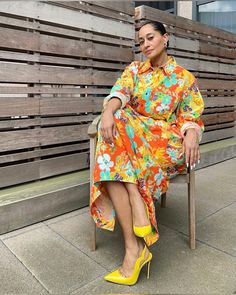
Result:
{"points": [[186, 177]]}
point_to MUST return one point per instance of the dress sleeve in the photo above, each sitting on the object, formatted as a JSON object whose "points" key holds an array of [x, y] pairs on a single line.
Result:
{"points": [[124, 85], [190, 108]]}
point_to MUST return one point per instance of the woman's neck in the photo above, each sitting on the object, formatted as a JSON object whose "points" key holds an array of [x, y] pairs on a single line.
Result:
{"points": [[159, 60]]}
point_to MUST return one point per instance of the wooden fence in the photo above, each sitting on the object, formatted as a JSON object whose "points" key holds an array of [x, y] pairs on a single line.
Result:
{"points": [[209, 53], [57, 62], [59, 59]]}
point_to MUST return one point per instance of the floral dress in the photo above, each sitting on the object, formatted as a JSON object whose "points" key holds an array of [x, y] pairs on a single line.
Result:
{"points": [[158, 105]]}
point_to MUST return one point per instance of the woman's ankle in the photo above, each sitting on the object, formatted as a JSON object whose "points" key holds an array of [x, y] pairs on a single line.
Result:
{"points": [[131, 246]]}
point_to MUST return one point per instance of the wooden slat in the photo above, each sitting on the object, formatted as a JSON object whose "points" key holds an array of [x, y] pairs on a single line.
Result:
{"points": [[16, 56], [217, 135], [181, 32], [20, 139], [45, 59], [17, 39], [206, 66], [126, 7], [58, 135], [196, 55], [24, 123], [56, 45], [219, 126], [19, 106], [19, 173], [90, 36], [218, 118], [44, 152], [98, 10], [52, 106], [224, 109], [209, 49], [184, 44], [52, 90], [17, 23], [64, 164], [55, 75], [216, 84], [19, 73]]}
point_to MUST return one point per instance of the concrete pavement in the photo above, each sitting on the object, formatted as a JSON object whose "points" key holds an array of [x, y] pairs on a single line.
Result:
{"points": [[54, 256]]}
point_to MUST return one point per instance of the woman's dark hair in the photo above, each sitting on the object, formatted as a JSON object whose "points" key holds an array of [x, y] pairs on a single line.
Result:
{"points": [[157, 26]]}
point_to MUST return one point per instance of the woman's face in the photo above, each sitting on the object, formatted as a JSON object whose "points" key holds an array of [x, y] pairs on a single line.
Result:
{"points": [[151, 42]]}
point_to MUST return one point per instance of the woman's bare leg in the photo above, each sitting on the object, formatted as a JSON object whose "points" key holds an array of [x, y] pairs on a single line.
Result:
{"points": [[133, 245], [137, 204]]}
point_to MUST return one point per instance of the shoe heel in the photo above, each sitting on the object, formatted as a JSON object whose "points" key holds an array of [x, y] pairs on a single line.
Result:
{"points": [[148, 269]]}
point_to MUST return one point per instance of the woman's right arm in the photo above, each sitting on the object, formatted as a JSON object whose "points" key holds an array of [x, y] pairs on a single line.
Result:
{"points": [[108, 129], [119, 96]]}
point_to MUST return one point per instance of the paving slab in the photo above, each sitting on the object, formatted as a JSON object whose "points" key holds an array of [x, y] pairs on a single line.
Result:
{"points": [[77, 230], [20, 231], [218, 230], [211, 195], [224, 172], [15, 278], [58, 265], [66, 215], [176, 269]]}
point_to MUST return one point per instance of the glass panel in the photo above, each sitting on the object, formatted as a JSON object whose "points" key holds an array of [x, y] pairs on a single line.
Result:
{"points": [[220, 14]]}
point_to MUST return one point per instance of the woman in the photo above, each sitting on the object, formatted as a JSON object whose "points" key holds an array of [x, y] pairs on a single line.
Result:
{"points": [[149, 131]]}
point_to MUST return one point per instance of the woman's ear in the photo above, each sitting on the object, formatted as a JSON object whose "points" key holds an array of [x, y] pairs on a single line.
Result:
{"points": [[166, 36]]}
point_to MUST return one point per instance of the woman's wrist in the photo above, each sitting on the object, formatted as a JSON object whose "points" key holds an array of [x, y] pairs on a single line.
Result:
{"points": [[112, 105], [191, 130]]}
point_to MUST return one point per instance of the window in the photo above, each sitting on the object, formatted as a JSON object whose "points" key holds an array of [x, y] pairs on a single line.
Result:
{"points": [[220, 14]]}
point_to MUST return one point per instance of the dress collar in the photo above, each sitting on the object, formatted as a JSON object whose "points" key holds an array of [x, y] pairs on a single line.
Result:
{"points": [[168, 67]]}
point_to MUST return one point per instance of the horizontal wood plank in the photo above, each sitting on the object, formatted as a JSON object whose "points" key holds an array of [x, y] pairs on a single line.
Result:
{"points": [[64, 134], [127, 7], [98, 10], [19, 106], [59, 165], [45, 152], [56, 45], [52, 106], [20, 173], [53, 90], [217, 135], [20, 139]]}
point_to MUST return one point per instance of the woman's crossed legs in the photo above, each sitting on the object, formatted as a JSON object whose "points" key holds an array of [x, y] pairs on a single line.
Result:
{"points": [[130, 209]]}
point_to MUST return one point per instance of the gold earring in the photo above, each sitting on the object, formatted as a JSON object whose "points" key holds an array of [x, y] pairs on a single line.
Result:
{"points": [[165, 44]]}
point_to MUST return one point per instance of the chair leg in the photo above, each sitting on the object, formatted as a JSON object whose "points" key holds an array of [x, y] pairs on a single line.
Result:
{"points": [[93, 240], [191, 210], [163, 200], [93, 142]]}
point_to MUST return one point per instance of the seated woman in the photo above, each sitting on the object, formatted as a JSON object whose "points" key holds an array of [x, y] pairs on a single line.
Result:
{"points": [[149, 132]]}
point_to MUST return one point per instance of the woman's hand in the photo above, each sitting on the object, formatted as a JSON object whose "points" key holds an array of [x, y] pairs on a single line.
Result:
{"points": [[108, 129], [191, 147]]}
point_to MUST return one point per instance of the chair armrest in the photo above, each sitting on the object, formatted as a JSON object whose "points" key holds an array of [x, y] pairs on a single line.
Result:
{"points": [[93, 127]]}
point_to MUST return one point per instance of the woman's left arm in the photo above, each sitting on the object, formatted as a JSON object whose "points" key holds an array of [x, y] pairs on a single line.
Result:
{"points": [[189, 120]]}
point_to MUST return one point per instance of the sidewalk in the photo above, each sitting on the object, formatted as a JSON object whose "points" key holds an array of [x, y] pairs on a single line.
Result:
{"points": [[54, 256]]}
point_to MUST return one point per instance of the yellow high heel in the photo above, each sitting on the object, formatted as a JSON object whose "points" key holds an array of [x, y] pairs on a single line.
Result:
{"points": [[117, 278], [143, 231]]}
